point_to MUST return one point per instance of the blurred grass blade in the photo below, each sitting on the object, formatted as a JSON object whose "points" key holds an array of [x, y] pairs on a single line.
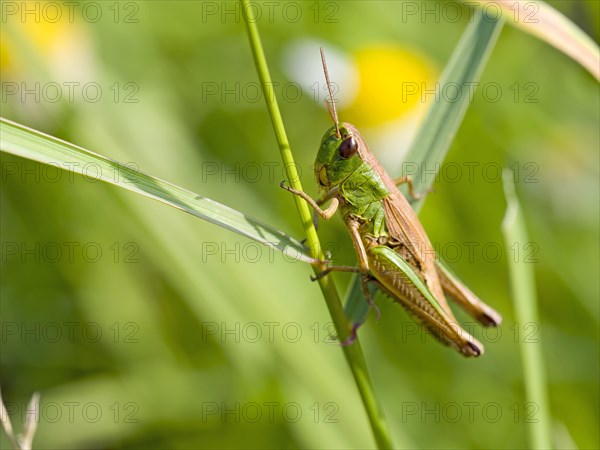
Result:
{"points": [[31, 144], [7, 426], [444, 117], [446, 113], [546, 23], [524, 298]]}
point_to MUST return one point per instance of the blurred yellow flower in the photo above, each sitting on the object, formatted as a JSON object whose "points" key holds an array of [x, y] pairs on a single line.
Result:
{"points": [[389, 85], [44, 29]]}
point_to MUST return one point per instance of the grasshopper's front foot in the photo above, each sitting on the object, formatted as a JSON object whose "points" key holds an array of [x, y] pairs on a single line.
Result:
{"points": [[353, 335]]}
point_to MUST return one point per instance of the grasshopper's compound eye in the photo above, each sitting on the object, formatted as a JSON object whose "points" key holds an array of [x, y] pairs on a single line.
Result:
{"points": [[348, 148]]}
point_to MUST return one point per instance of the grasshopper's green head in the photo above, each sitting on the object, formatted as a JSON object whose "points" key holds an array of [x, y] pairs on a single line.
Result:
{"points": [[338, 156]]}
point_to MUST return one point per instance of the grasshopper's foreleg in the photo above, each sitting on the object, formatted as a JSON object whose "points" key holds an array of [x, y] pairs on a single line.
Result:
{"points": [[326, 214], [411, 188], [327, 196]]}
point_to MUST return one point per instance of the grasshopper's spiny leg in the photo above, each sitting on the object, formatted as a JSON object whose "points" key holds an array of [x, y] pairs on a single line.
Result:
{"points": [[325, 214]]}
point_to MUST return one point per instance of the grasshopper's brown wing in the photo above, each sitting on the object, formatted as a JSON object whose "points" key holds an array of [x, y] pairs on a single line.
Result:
{"points": [[404, 226]]}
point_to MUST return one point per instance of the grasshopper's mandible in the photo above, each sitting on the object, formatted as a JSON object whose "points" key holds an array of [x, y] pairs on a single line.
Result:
{"points": [[393, 249]]}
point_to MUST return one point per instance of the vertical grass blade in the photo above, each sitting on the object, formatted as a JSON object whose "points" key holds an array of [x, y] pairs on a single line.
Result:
{"points": [[353, 353], [524, 297]]}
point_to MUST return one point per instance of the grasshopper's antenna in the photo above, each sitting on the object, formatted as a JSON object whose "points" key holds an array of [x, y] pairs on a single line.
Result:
{"points": [[334, 116]]}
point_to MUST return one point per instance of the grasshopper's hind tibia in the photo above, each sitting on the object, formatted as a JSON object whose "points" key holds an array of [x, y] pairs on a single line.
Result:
{"points": [[458, 292]]}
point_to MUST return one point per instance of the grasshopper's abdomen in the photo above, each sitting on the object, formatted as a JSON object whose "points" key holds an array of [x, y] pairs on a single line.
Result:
{"points": [[397, 278]]}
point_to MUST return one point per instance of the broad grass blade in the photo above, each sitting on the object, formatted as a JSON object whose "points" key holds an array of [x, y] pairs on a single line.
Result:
{"points": [[31, 144]]}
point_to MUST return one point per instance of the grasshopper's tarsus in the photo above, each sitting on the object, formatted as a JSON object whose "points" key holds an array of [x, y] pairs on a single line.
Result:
{"points": [[411, 188], [353, 335]]}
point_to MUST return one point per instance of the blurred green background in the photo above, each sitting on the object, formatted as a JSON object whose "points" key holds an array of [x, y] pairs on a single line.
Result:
{"points": [[143, 327]]}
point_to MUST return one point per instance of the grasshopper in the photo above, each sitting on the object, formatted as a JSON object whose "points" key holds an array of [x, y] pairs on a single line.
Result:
{"points": [[393, 250]]}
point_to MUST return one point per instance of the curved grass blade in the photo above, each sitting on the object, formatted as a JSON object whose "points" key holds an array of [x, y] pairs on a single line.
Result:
{"points": [[31, 144], [522, 283], [444, 117], [546, 23]]}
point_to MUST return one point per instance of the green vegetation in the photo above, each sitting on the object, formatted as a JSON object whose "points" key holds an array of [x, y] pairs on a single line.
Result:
{"points": [[142, 327]]}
